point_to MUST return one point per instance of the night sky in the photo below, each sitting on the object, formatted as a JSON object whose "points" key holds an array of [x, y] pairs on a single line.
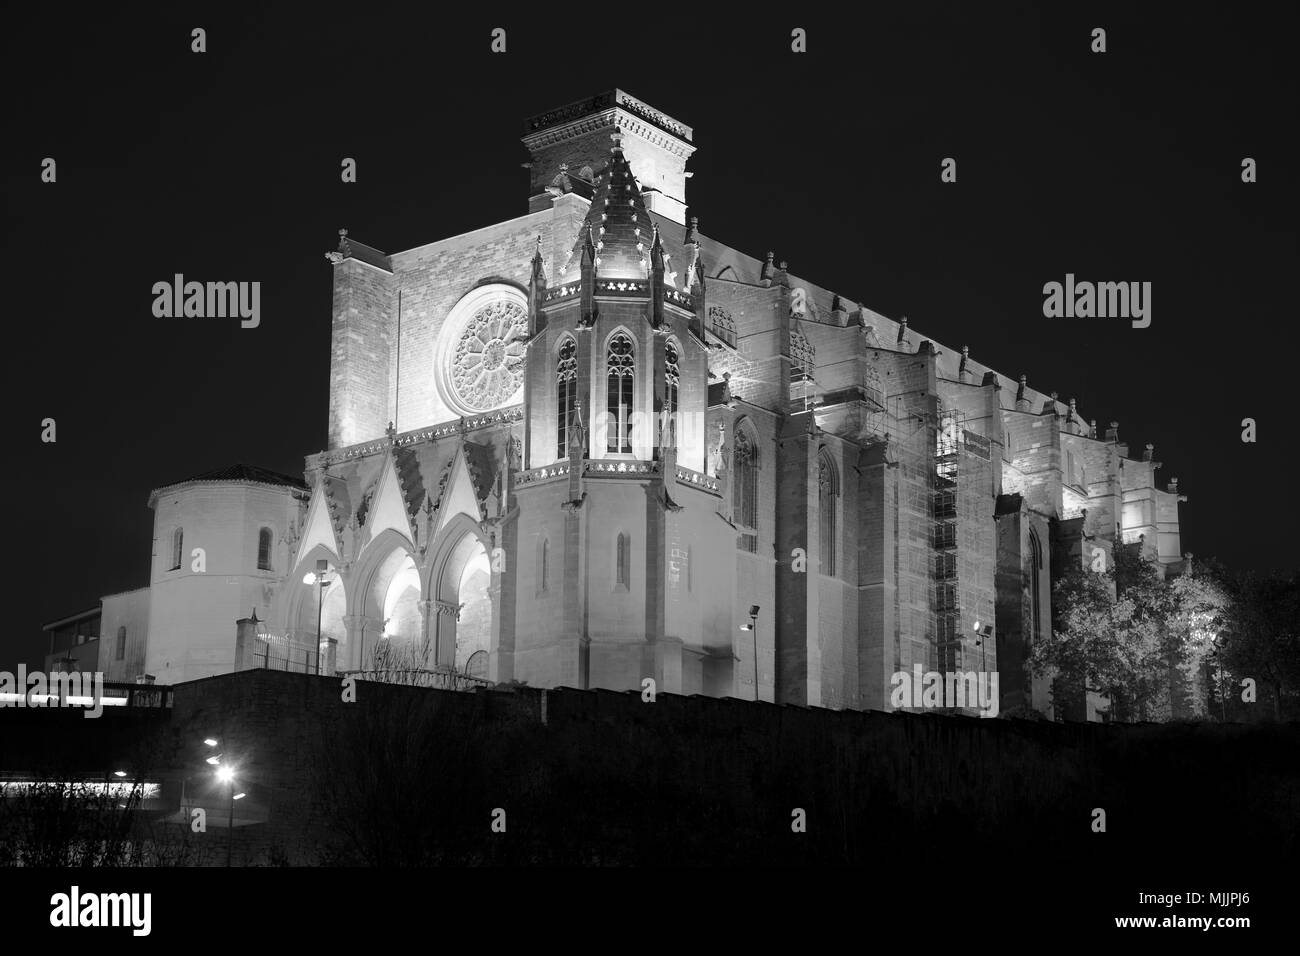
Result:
{"points": [[224, 166]]}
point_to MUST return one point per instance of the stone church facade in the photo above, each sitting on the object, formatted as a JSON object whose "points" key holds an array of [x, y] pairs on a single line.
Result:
{"points": [[578, 447]]}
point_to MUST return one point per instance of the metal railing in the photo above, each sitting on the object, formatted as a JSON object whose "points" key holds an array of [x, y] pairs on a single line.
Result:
{"points": [[439, 678]]}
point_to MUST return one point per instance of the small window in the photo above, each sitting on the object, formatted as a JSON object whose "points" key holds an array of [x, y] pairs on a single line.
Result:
{"points": [[264, 550], [828, 490], [178, 546], [621, 575], [1035, 564], [541, 564], [744, 489], [120, 651]]}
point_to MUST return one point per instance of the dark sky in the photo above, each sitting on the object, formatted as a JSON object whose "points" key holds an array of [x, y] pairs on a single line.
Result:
{"points": [[225, 166]]}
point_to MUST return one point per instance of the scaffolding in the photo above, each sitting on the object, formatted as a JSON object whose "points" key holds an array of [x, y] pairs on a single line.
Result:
{"points": [[945, 555], [947, 594], [911, 425]]}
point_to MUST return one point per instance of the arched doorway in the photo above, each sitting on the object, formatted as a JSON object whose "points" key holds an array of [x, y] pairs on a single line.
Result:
{"points": [[462, 616], [388, 608], [401, 602], [319, 611]]}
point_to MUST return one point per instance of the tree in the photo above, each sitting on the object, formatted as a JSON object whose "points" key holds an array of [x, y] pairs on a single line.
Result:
{"points": [[1261, 638], [57, 823], [1137, 638]]}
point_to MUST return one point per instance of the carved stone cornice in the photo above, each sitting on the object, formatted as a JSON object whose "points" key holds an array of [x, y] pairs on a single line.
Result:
{"points": [[502, 416], [598, 111], [603, 120]]}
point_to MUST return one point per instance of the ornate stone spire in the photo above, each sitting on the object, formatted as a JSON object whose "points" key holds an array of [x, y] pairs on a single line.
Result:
{"points": [[536, 288], [657, 283], [578, 432], [692, 238], [617, 226]]}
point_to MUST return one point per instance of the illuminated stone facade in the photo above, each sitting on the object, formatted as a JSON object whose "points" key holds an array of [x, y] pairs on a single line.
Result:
{"points": [[575, 449]]}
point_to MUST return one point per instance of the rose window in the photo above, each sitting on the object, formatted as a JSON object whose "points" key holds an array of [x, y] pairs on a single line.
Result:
{"points": [[487, 366]]}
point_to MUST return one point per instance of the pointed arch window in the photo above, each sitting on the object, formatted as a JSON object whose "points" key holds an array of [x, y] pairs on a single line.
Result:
{"points": [[622, 573], [744, 491], [722, 324], [1035, 563], [620, 363], [802, 356], [828, 492], [264, 550], [178, 547], [672, 377], [566, 394]]}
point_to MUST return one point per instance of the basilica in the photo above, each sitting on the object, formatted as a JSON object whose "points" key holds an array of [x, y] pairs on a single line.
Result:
{"points": [[592, 445]]}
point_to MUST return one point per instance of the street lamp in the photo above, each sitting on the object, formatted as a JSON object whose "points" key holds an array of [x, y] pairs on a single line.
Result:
{"points": [[321, 577], [753, 626], [225, 774], [985, 631]]}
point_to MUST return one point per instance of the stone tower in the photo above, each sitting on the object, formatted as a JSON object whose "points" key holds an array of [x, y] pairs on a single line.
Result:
{"points": [[616, 518], [568, 147]]}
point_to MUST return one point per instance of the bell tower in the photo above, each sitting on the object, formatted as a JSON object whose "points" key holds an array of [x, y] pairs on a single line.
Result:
{"points": [[610, 499], [568, 147]]}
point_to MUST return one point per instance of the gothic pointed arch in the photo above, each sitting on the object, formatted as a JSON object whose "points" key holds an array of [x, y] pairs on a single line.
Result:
{"points": [[621, 560], [672, 374], [566, 393], [744, 484], [458, 494], [620, 374], [388, 510], [308, 609], [385, 597], [457, 581], [1035, 572], [828, 498], [319, 529], [802, 355]]}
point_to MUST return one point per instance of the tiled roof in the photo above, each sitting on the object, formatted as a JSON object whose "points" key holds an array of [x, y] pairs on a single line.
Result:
{"points": [[244, 473]]}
